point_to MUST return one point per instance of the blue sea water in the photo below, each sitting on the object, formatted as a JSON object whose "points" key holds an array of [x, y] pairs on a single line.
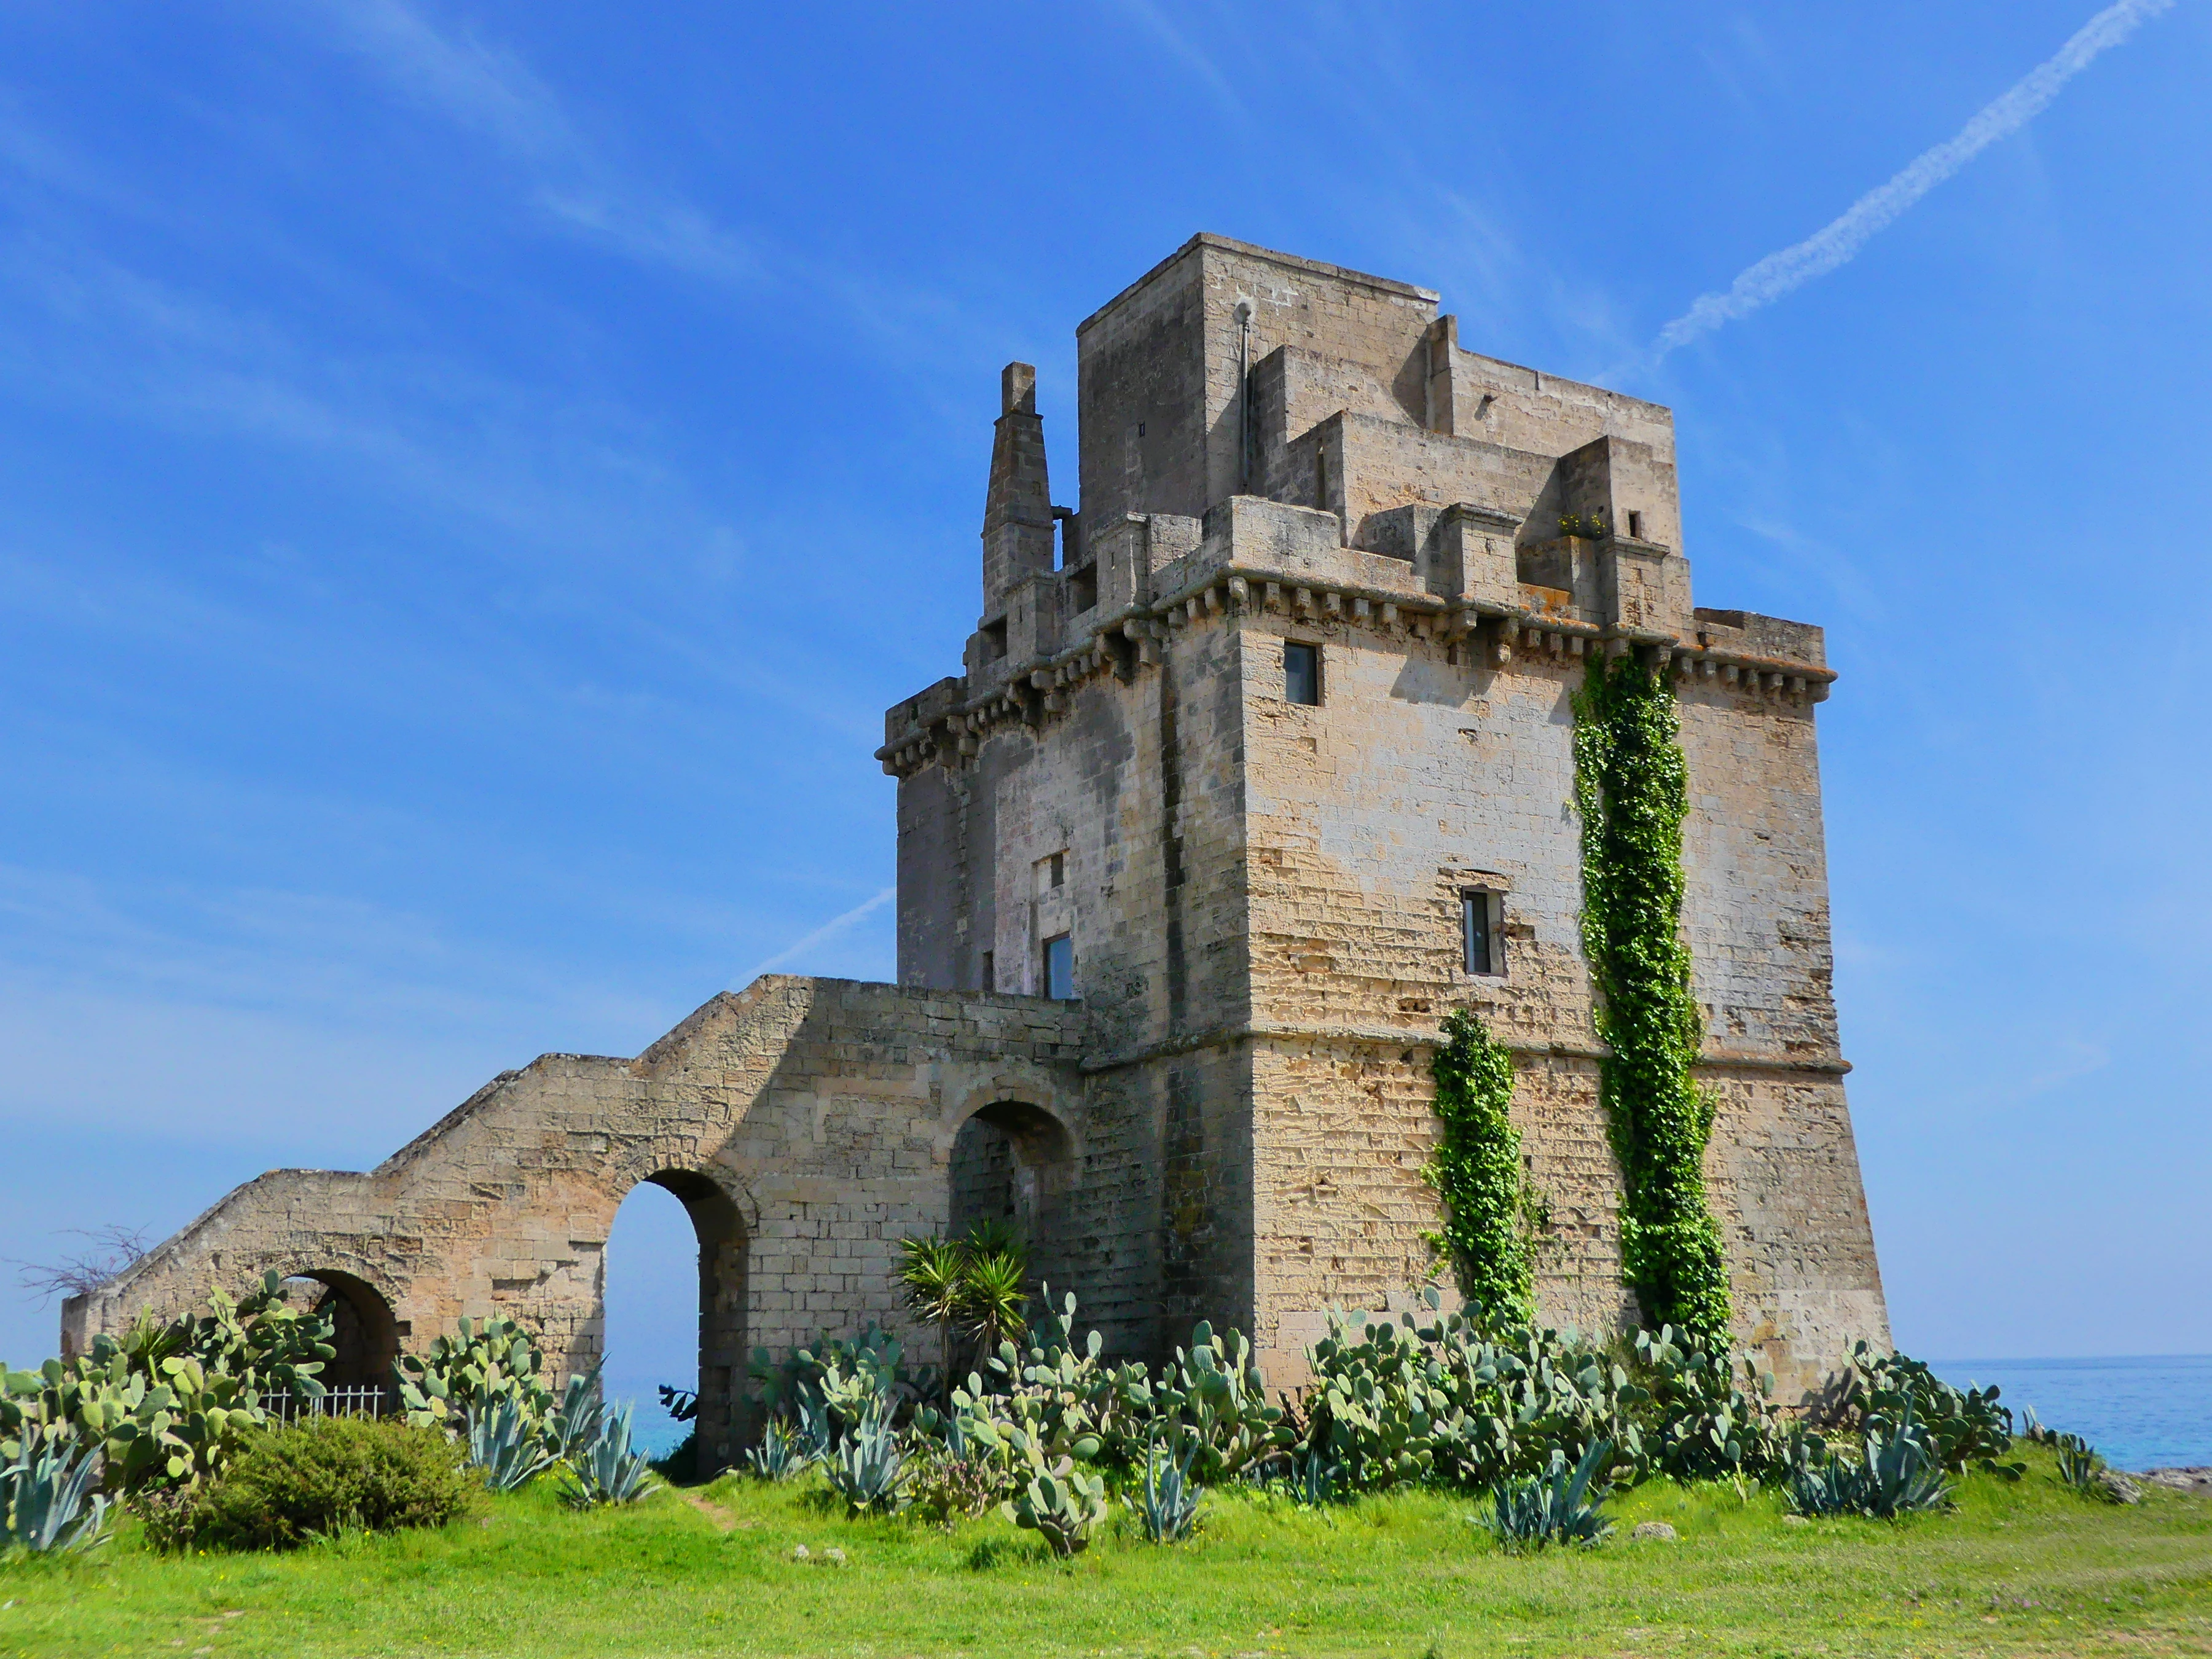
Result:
{"points": [[2141, 1413], [652, 1430]]}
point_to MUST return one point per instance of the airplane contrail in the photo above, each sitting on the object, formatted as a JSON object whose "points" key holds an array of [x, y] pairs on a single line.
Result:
{"points": [[828, 929], [1834, 244]]}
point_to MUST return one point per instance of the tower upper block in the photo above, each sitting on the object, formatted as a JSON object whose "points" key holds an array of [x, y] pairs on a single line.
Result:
{"points": [[1265, 759]]}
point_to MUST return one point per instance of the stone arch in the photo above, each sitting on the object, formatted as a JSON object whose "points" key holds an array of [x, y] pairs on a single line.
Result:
{"points": [[1013, 1160], [720, 1227], [363, 1329]]}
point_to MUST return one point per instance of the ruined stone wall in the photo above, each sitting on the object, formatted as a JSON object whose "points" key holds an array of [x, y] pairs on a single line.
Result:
{"points": [[808, 1124]]}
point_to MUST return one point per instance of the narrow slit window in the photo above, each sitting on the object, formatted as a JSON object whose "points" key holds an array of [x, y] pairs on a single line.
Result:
{"points": [[990, 970], [1300, 673], [1056, 870], [1634, 525], [1479, 933], [1059, 967]]}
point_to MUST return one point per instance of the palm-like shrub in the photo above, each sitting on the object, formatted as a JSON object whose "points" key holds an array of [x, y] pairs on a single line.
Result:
{"points": [[978, 1281]]}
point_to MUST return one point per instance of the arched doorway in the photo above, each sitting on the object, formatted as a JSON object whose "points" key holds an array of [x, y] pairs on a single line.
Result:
{"points": [[364, 1331], [659, 1277], [1013, 1163]]}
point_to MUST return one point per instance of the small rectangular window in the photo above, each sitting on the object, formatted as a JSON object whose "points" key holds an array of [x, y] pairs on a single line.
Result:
{"points": [[990, 970], [1634, 525], [1300, 673], [1479, 922], [1057, 867], [1059, 967]]}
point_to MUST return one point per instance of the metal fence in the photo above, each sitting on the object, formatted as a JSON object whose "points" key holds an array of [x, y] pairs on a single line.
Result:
{"points": [[369, 1401]]}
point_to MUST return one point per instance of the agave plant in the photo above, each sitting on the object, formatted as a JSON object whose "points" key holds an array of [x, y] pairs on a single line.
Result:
{"points": [[868, 1470], [608, 1471], [573, 1427], [1166, 1506], [780, 1454], [504, 1442], [1899, 1474], [46, 1500], [1559, 1506], [1316, 1479], [2079, 1465]]}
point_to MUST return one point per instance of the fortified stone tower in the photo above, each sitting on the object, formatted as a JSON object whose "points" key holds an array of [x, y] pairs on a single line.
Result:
{"points": [[1265, 759], [1258, 767]]}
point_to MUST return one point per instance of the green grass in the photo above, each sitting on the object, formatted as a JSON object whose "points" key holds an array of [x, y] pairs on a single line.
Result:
{"points": [[2029, 1568]]}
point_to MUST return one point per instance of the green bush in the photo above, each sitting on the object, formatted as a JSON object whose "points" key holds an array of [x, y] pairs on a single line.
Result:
{"points": [[325, 1476]]}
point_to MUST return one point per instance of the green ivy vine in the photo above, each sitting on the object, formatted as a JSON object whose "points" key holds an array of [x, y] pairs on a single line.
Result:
{"points": [[1476, 1169], [1631, 787]]}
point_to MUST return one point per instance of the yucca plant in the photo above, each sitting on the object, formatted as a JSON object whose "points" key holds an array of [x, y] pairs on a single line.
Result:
{"points": [[504, 1442], [781, 1454], [1898, 1475], [1559, 1506], [1166, 1505], [868, 1469], [933, 1278], [608, 1471], [995, 1292], [46, 1499]]}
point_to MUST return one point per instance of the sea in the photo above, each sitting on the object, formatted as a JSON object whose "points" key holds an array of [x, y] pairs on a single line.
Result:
{"points": [[2151, 1413], [2148, 1413]]}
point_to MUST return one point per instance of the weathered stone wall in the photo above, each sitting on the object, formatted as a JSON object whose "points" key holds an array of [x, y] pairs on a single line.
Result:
{"points": [[808, 1125]]}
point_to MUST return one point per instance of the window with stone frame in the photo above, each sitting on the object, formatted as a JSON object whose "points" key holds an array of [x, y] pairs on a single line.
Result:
{"points": [[1482, 932], [1059, 967]]}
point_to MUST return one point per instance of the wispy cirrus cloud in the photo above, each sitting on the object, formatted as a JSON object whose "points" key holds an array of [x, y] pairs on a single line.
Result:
{"points": [[486, 89], [1838, 242], [1179, 45]]}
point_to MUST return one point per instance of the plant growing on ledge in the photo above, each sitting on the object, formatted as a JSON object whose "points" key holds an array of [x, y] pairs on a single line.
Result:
{"points": [[1631, 788], [1476, 1169], [1588, 525]]}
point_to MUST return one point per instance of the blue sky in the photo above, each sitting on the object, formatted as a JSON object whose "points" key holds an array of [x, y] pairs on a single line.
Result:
{"points": [[471, 479]]}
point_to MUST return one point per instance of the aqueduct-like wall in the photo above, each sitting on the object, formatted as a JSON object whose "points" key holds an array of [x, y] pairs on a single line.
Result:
{"points": [[807, 1125]]}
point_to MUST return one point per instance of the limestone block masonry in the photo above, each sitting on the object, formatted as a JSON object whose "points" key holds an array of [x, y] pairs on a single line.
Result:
{"points": [[1258, 900]]}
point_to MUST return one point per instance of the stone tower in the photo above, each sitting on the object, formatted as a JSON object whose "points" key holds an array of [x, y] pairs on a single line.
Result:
{"points": [[1264, 758], [1257, 767]]}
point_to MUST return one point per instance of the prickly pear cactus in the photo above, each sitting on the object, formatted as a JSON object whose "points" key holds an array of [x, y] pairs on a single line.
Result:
{"points": [[487, 1362]]}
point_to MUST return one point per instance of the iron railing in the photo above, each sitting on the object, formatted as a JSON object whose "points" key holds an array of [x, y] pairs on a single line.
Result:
{"points": [[371, 1400]]}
